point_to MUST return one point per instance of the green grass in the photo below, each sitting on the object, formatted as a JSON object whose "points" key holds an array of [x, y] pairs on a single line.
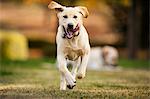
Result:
{"points": [[141, 64], [39, 79]]}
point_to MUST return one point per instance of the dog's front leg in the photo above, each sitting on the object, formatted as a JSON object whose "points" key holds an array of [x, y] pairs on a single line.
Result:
{"points": [[62, 82], [75, 67], [65, 73], [82, 68]]}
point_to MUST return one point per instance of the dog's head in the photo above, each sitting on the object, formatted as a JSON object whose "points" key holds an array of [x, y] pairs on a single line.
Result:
{"points": [[70, 18]]}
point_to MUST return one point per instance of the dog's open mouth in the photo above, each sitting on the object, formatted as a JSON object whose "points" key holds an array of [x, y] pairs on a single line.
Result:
{"points": [[69, 33]]}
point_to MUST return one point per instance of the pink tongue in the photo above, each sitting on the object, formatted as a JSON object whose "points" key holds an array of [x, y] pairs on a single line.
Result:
{"points": [[69, 34]]}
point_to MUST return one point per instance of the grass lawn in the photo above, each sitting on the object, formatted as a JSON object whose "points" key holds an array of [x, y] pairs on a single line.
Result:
{"points": [[39, 79]]}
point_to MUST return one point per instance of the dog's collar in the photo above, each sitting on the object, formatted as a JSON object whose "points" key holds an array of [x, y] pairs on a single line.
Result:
{"points": [[65, 33]]}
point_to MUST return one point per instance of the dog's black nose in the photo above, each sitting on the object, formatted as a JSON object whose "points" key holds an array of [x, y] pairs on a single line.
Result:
{"points": [[70, 26]]}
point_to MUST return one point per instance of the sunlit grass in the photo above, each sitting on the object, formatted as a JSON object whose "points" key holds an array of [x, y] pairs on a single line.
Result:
{"points": [[40, 79]]}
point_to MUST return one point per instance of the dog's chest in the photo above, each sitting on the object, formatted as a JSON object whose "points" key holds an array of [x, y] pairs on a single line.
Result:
{"points": [[74, 43], [73, 50]]}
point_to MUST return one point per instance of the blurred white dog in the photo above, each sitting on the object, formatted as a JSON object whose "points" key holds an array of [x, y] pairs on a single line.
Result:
{"points": [[72, 43], [105, 58]]}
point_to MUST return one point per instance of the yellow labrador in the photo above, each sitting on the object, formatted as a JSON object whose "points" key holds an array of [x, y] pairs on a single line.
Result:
{"points": [[103, 58], [72, 43]]}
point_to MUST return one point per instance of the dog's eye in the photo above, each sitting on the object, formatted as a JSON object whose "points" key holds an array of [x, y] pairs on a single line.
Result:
{"points": [[75, 16], [65, 16]]}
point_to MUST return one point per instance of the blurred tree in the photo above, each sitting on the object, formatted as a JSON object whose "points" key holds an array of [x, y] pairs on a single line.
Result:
{"points": [[132, 33], [138, 34]]}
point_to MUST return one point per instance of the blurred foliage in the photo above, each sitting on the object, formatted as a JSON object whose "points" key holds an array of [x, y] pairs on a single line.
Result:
{"points": [[36, 1], [91, 3], [14, 45], [120, 2]]}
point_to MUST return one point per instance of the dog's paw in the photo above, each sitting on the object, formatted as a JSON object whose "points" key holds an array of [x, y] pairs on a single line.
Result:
{"points": [[71, 87], [80, 75], [71, 82]]}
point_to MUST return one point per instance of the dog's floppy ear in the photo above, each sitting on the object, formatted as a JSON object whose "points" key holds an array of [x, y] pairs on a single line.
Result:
{"points": [[56, 6], [83, 11]]}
